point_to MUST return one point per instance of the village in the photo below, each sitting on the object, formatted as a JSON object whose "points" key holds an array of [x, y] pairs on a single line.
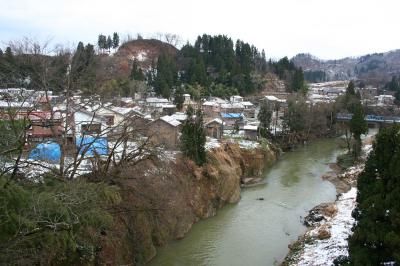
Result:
{"points": [[87, 122]]}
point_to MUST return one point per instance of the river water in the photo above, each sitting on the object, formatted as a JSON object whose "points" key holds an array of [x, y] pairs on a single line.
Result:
{"points": [[254, 232]]}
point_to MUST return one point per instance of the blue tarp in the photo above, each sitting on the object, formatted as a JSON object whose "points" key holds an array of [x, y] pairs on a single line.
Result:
{"points": [[49, 151], [232, 115], [91, 146]]}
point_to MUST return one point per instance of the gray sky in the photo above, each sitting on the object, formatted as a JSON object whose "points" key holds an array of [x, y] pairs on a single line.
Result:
{"points": [[326, 28]]}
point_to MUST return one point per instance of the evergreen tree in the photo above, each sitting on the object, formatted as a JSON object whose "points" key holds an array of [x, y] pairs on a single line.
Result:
{"points": [[193, 137], [109, 43], [179, 98], [166, 77], [136, 72], [1, 53], [83, 68], [115, 40], [376, 238], [358, 126], [350, 90], [102, 42], [264, 116]]}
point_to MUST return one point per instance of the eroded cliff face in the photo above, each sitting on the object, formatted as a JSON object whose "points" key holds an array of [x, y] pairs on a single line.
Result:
{"points": [[163, 198]]}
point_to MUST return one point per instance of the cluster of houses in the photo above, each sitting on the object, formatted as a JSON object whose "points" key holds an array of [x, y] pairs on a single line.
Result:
{"points": [[327, 92], [51, 117]]}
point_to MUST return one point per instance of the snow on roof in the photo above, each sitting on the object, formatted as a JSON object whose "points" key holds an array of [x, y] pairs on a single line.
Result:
{"points": [[271, 98], [232, 105], [5, 104], [170, 120], [179, 116], [215, 120], [168, 106], [274, 99], [247, 103], [156, 100], [210, 103], [250, 127], [186, 95]]}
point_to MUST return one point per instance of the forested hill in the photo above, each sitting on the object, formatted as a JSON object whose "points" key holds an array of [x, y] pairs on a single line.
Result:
{"points": [[375, 68], [212, 65]]}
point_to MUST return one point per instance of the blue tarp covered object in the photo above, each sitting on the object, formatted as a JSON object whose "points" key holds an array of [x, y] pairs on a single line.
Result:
{"points": [[49, 151], [91, 146]]}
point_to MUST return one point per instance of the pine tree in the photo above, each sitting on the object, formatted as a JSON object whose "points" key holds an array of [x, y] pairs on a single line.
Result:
{"points": [[167, 76], [115, 40], [179, 98], [136, 72], [193, 137], [350, 90], [376, 238], [358, 126], [102, 42], [264, 116], [109, 43]]}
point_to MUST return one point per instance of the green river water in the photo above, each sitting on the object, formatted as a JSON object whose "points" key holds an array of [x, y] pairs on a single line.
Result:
{"points": [[254, 232]]}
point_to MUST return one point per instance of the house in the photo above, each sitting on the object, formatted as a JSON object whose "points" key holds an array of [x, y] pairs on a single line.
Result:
{"points": [[165, 131], [214, 128], [250, 132], [88, 123], [45, 125], [236, 99], [210, 109], [232, 119], [381, 100], [234, 107], [249, 109]]}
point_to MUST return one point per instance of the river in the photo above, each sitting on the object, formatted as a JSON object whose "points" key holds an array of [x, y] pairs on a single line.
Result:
{"points": [[257, 232]]}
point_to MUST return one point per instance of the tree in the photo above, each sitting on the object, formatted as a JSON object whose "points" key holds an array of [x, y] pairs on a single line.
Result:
{"points": [[136, 72], [166, 76], [109, 43], [350, 90], [179, 98], [193, 137], [102, 42], [264, 116], [358, 126], [376, 238], [115, 40]]}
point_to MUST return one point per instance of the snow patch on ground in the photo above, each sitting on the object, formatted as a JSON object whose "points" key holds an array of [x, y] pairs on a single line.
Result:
{"points": [[323, 252], [248, 144], [141, 56], [212, 143]]}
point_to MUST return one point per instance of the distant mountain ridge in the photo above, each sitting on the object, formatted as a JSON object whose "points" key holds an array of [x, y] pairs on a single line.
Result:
{"points": [[374, 68]]}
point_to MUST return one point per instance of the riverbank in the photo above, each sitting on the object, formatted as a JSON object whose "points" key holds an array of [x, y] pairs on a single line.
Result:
{"points": [[329, 224], [163, 198]]}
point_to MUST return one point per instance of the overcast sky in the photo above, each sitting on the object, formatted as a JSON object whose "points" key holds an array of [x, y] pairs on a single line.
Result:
{"points": [[326, 28]]}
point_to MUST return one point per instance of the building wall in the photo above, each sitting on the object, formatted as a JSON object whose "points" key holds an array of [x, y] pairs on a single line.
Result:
{"points": [[163, 133]]}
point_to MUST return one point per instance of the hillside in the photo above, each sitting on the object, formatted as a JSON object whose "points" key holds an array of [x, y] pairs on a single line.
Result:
{"points": [[373, 68]]}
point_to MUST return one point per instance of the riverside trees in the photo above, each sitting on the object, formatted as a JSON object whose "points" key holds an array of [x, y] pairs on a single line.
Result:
{"points": [[376, 238], [193, 137]]}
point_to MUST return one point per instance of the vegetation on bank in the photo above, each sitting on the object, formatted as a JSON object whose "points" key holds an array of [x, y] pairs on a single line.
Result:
{"points": [[376, 238], [53, 222]]}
